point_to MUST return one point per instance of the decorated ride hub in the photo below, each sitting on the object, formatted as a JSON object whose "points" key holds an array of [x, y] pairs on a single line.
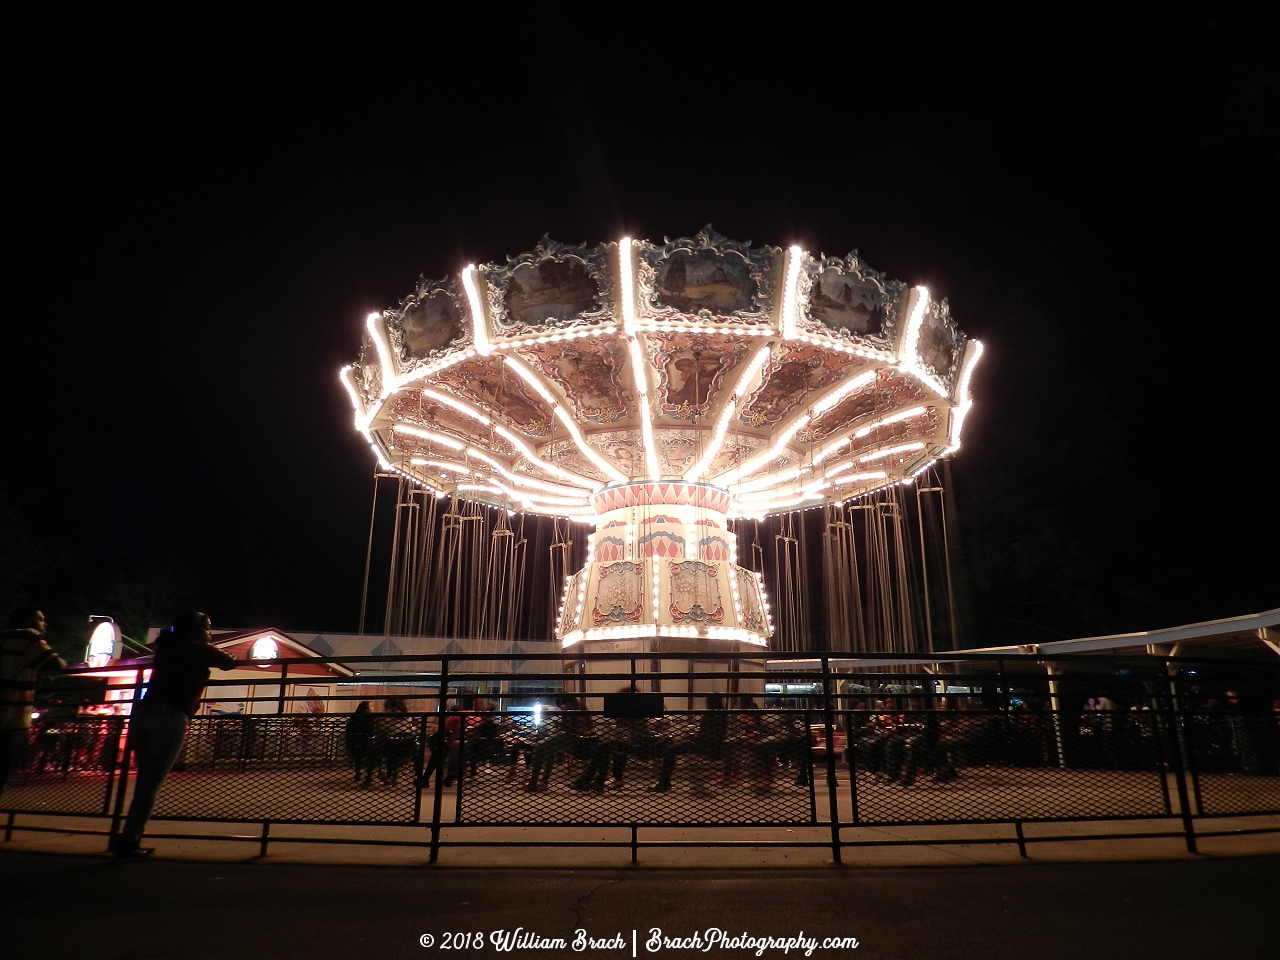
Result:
{"points": [[664, 394]]}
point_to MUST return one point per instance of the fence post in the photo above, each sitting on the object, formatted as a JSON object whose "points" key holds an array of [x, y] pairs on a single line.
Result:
{"points": [[418, 767], [442, 742], [608, 772], [460, 775], [114, 726], [855, 819], [1180, 756], [833, 797], [284, 673], [1055, 708], [813, 774], [1159, 729]]}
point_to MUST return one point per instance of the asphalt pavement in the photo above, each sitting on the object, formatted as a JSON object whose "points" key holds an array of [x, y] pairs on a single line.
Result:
{"points": [[60, 905]]}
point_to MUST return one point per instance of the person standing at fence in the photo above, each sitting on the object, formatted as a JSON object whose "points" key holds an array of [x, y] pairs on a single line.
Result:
{"points": [[359, 737], [443, 761], [483, 739], [23, 654], [395, 739], [158, 725]]}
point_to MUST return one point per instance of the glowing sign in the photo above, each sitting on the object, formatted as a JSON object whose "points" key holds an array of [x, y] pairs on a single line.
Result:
{"points": [[103, 644], [264, 648]]}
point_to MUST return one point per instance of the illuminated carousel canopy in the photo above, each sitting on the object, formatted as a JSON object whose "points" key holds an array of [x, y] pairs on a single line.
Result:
{"points": [[655, 391]]}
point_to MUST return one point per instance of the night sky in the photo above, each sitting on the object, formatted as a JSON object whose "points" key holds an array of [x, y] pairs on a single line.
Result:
{"points": [[200, 214]]}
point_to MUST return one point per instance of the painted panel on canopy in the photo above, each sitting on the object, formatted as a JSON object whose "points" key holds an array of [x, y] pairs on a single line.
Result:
{"points": [[588, 372], [553, 287], [794, 373], [848, 299], [691, 369], [624, 447], [678, 450], [890, 392], [429, 324], [940, 343], [735, 448], [566, 455], [501, 394], [708, 276], [692, 281], [368, 372]]}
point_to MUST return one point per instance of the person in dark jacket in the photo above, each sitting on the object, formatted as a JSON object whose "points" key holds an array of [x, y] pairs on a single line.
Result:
{"points": [[444, 751], [158, 725], [23, 655], [395, 739], [359, 737]]}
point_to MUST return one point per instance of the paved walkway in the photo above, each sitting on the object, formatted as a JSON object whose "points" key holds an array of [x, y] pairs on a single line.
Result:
{"points": [[157, 910]]}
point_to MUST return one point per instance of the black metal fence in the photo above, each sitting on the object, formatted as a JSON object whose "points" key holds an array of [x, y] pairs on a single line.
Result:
{"points": [[825, 743]]}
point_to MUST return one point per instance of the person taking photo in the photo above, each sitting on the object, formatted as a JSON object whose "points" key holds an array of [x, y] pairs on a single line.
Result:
{"points": [[158, 725]]}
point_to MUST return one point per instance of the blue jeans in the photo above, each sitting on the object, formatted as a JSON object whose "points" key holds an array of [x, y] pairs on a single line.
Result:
{"points": [[157, 731]]}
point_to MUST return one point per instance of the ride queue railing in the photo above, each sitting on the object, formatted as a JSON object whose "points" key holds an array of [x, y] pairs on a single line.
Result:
{"points": [[819, 741]]}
